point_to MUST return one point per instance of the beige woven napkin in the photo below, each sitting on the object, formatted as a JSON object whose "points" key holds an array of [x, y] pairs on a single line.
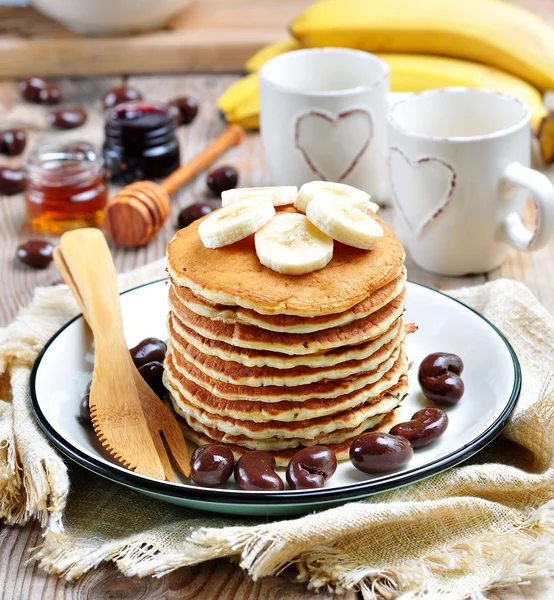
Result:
{"points": [[487, 523]]}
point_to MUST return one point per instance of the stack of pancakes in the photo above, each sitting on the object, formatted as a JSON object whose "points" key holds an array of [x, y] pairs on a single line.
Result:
{"points": [[264, 361]]}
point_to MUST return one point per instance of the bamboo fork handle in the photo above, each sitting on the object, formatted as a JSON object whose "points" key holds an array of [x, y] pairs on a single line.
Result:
{"points": [[68, 280], [89, 262], [115, 401], [232, 136]]}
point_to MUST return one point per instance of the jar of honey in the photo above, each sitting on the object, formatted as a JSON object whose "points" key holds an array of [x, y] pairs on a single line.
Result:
{"points": [[141, 141], [66, 187]]}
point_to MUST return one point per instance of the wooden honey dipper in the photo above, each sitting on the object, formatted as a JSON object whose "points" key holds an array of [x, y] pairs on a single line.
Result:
{"points": [[136, 213]]}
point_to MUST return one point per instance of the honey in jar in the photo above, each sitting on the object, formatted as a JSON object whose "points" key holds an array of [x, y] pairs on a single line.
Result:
{"points": [[66, 187]]}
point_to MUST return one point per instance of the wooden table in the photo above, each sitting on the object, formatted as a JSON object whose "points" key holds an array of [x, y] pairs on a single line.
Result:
{"points": [[209, 36], [217, 580]]}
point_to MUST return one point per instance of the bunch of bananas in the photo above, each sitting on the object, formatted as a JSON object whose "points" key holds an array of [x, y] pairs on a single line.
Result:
{"points": [[427, 44]]}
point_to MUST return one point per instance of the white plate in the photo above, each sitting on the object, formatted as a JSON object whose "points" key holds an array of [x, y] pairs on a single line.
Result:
{"points": [[492, 380]]}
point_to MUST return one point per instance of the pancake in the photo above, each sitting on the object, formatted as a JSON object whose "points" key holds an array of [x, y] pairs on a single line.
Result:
{"points": [[282, 457], [214, 435], [275, 393], [291, 323], [261, 358], [306, 429], [333, 437], [185, 392], [237, 374], [233, 275], [249, 336]]}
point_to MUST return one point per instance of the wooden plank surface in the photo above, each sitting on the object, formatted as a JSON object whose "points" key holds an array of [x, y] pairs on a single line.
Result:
{"points": [[210, 36], [216, 580]]}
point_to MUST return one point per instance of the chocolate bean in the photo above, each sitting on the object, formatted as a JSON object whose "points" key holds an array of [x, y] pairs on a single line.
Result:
{"points": [[148, 350], [222, 179], [84, 410], [425, 426], [375, 452], [120, 94], [311, 467], [12, 141], [211, 465], [439, 377], [67, 118], [36, 253], [152, 372], [193, 212], [12, 181], [41, 91], [256, 471], [187, 107]]}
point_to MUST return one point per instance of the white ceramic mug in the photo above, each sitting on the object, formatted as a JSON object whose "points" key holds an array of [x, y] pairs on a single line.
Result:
{"points": [[323, 117], [459, 164]]}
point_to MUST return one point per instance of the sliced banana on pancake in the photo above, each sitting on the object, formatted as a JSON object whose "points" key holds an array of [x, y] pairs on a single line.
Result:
{"points": [[279, 195], [235, 222], [343, 222], [340, 191], [291, 245]]}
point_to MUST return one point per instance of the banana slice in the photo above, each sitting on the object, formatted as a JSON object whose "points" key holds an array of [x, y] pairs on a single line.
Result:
{"points": [[341, 191], [235, 222], [343, 222], [279, 196], [290, 244]]}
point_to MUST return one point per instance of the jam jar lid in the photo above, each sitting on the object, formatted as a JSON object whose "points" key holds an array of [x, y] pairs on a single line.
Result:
{"points": [[66, 163], [143, 123]]}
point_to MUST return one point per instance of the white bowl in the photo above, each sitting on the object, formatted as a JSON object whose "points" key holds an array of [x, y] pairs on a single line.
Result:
{"points": [[111, 17], [492, 379]]}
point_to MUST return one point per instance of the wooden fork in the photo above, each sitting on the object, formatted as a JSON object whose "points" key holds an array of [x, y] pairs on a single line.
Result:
{"points": [[128, 417]]}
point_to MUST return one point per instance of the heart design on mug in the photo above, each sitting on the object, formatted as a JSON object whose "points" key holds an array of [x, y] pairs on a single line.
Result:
{"points": [[429, 180], [332, 145]]}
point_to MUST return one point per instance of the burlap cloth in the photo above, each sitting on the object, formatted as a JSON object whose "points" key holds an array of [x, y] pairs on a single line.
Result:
{"points": [[487, 523]]}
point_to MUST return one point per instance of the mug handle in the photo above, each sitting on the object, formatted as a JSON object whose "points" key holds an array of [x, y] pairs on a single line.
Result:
{"points": [[542, 192]]}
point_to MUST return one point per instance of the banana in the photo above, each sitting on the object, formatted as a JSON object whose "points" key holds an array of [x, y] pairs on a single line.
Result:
{"points": [[545, 136], [279, 195], [240, 102], [245, 87], [416, 73], [291, 245], [235, 222], [409, 73], [341, 191], [263, 55], [343, 222], [493, 32]]}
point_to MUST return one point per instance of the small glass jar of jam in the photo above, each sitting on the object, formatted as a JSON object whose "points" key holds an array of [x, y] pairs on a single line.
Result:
{"points": [[66, 187], [141, 141]]}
